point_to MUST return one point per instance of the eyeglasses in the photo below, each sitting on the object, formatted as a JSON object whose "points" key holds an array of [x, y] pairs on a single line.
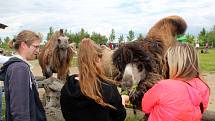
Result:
{"points": [[36, 46]]}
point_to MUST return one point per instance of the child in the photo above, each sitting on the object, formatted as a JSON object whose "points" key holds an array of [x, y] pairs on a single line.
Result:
{"points": [[184, 96]]}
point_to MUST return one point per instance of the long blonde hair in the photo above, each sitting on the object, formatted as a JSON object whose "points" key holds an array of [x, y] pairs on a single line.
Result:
{"points": [[90, 73], [183, 62]]}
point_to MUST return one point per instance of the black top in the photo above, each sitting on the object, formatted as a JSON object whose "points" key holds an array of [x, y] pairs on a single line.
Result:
{"points": [[77, 107]]}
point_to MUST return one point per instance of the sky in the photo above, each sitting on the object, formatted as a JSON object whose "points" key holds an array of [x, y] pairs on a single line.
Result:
{"points": [[102, 15]]}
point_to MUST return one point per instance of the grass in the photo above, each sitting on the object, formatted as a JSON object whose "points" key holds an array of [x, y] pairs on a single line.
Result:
{"points": [[74, 62], [3, 108], [134, 118], [207, 61]]}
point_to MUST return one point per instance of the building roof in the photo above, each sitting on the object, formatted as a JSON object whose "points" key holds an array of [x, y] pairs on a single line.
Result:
{"points": [[2, 26]]}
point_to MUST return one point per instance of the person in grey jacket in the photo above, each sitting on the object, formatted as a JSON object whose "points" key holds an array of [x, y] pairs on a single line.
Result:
{"points": [[22, 98]]}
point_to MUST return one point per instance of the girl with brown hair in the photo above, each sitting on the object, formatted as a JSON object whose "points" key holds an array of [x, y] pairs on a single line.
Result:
{"points": [[90, 95]]}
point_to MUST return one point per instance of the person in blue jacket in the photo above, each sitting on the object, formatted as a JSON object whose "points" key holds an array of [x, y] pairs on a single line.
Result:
{"points": [[22, 98]]}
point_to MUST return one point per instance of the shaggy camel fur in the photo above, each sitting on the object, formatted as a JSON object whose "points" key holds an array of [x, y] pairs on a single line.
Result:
{"points": [[56, 56], [148, 55]]}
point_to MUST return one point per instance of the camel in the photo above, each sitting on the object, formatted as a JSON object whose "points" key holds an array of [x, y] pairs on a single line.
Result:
{"points": [[141, 63], [56, 56]]}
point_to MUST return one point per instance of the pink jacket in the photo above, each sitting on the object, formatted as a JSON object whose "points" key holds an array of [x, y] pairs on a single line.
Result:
{"points": [[174, 100]]}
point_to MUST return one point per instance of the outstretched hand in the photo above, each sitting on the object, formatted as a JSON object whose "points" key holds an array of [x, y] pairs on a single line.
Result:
{"points": [[125, 99]]}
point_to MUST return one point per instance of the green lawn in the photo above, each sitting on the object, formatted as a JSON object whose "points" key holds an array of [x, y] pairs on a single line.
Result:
{"points": [[3, 108], [74, 62], [134, 118], [207, 61]]}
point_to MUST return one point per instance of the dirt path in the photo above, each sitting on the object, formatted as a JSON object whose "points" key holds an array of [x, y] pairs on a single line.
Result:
{"points": [[210, 79]]}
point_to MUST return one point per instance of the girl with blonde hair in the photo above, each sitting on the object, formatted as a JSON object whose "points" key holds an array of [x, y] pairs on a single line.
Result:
{"points": [[90, 96], [184, 96]]}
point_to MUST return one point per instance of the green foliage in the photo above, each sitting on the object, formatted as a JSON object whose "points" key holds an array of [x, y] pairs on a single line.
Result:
{"points": [[50, 33], [74, 62], [140, 36], [121, 38], [77, 37], [190, 39], [6, 40], [210, 37], [73, 37], [83, 34], [130, 36], [112, 35], [203, 32], [98, 38], [202, 37], [5, 46], [133, 118], [3, 108]]}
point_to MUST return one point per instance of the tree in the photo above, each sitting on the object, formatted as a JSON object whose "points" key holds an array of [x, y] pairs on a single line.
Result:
{"points": [[140, 36], [104, 39], [0, 41], [190, 39], [50, 33], [98, 38], [203, 32], [4, 44], [210, 37], [130, 36], [74, 37], [202, 36], [77, 37], [112, 35], [6, 40], [83, 34], [40, 35], [121, 38]]}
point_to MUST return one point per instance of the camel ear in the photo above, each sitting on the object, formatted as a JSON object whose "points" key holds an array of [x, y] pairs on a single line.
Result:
{"points": [[61, 31]]}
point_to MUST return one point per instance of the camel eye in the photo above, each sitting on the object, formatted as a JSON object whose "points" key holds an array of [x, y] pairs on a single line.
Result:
{"points": [[140, 67], [59, 40]]}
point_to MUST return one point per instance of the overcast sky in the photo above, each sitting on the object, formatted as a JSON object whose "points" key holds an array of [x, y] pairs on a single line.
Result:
{"points": [[102, 15]]}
